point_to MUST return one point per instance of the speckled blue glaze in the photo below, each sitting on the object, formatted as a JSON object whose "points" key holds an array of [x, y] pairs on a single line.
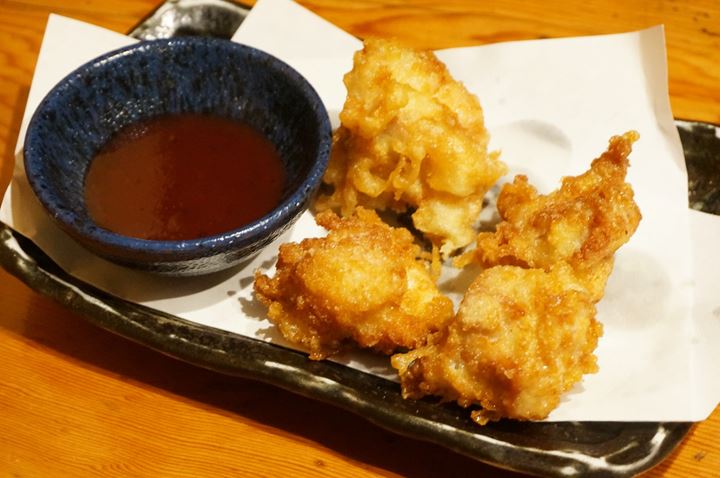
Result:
{"points": [[198, 75]]}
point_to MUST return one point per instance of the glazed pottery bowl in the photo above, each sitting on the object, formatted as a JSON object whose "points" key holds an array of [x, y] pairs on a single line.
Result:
{"points": [[165, 77]]}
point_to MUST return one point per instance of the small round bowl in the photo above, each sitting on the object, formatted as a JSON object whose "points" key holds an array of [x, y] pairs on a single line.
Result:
{"points": [[184, 75]]}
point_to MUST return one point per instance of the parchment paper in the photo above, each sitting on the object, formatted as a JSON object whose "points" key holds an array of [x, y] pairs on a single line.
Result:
{"points": [[550, 106]]}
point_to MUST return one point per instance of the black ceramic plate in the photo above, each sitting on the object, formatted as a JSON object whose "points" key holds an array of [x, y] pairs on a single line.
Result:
{"points": [[545, 449]]}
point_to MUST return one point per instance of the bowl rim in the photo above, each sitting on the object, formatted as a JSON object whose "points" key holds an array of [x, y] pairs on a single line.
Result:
{"points": [[247, 234]]}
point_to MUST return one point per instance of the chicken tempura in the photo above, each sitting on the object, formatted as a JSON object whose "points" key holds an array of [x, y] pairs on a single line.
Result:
{"points": [[583, 223], [521, 338], [361, 286], [411, 139]]}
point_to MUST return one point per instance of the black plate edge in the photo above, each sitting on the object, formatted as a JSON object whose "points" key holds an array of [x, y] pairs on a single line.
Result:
{"points": [[215, 18]]}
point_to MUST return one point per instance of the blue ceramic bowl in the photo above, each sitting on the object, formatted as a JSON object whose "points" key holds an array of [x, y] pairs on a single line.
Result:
{"points": [[184, 75]]}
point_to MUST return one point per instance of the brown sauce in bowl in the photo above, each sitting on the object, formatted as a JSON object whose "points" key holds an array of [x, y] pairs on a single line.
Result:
{"points": [[183, 177]]}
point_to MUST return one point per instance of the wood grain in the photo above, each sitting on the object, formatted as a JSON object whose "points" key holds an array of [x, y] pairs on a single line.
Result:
{"points": [[78, 401]]}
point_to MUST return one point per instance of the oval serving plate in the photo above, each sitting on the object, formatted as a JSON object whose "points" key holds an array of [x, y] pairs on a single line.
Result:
{"points": [[605, 449]]}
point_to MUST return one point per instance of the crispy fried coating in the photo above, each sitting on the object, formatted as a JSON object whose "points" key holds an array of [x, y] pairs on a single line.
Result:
{"points": [[521, 338], [583, 223], [526, 329], [362, 285], [411, 138]]}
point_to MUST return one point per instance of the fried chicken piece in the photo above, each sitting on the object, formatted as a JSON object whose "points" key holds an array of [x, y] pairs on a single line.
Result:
{"points": [[362, 285], [521, 338], [583, 223], [411, 138]]}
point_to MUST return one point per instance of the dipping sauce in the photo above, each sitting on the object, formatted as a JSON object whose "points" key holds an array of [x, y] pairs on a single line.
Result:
{"points": [[183, 177]]}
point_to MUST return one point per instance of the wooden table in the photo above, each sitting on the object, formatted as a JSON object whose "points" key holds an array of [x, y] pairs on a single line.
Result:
{"points": [[78, 401]]}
